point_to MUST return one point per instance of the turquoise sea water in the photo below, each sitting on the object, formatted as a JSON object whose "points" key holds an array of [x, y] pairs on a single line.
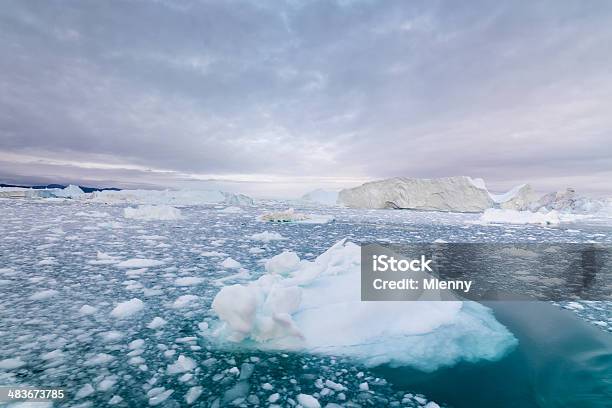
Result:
{"points": [[562, 359]]}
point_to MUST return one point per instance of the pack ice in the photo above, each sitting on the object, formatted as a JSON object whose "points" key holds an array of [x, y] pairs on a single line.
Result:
{"points": [[315, 306]]}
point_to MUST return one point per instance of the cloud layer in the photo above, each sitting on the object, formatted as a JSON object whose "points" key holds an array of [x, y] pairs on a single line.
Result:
{"points": [[309, 93]]}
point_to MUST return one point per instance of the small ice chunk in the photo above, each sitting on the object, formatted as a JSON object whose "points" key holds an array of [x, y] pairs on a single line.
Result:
{"points": [[267, 236], [136, 344], [11, 363], [99, 359], [53, 355], [182, 365], [159, 398], [188, 281], [267, 386], [193, 394], [139, 263], [127, 308], [364, 386], [308, 401], [84, 391], [115, 400], [106, 384], [156, 323], [44, 294], [283, 263], [111, 336], [87, 310], [231, 263], [273, 398], [432, 404], [334, 386], [184, 301]]}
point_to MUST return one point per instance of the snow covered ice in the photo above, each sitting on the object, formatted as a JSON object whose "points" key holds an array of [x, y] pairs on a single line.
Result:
{"points": [[115, 309], [317, 307], [152, 212]]}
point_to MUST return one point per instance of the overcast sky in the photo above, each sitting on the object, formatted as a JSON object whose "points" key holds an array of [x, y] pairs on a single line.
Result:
{"points": [[289, 96]]}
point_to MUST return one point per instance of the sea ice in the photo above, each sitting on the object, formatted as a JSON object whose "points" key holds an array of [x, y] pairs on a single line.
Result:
{"points": [[497, 216], [11, 363], [290, 215], [184, 301], [156, 323], [44, 294], [84, 391], [153, 213], [87, 310], [127, 308], [316, 306], [181, 365], [232, 210], [230, 263], [139, 263], [283, 263], [188, 281], [308, 401], [193, 394], [267, 236]]}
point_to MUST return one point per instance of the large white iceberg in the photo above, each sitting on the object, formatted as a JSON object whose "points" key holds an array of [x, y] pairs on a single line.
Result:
{"points": [[519, 198], [316, 307], [168, 197], [460, 194]]}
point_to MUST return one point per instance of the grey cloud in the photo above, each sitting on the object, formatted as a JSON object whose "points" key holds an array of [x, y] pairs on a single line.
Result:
{"points": [[510, 92]]}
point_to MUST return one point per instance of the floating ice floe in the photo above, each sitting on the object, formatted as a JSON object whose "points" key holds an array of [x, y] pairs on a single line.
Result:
{"points": [[11, 363], [232, 210], [316, 306], [153, 213], [267, 236], [290, 215], [169, 197], [182, 365], [139, 263], [127, 308], [157, 323], [497, 216], [188, 281], [44, 294], [231, 263], [184, 301]]}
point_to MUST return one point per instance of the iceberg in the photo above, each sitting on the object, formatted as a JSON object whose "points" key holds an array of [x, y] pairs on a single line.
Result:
{"points": [[320, 196], [519, 198], [316, 306], [569, 201], [457, 194], [71, 191], [168, 197]]}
